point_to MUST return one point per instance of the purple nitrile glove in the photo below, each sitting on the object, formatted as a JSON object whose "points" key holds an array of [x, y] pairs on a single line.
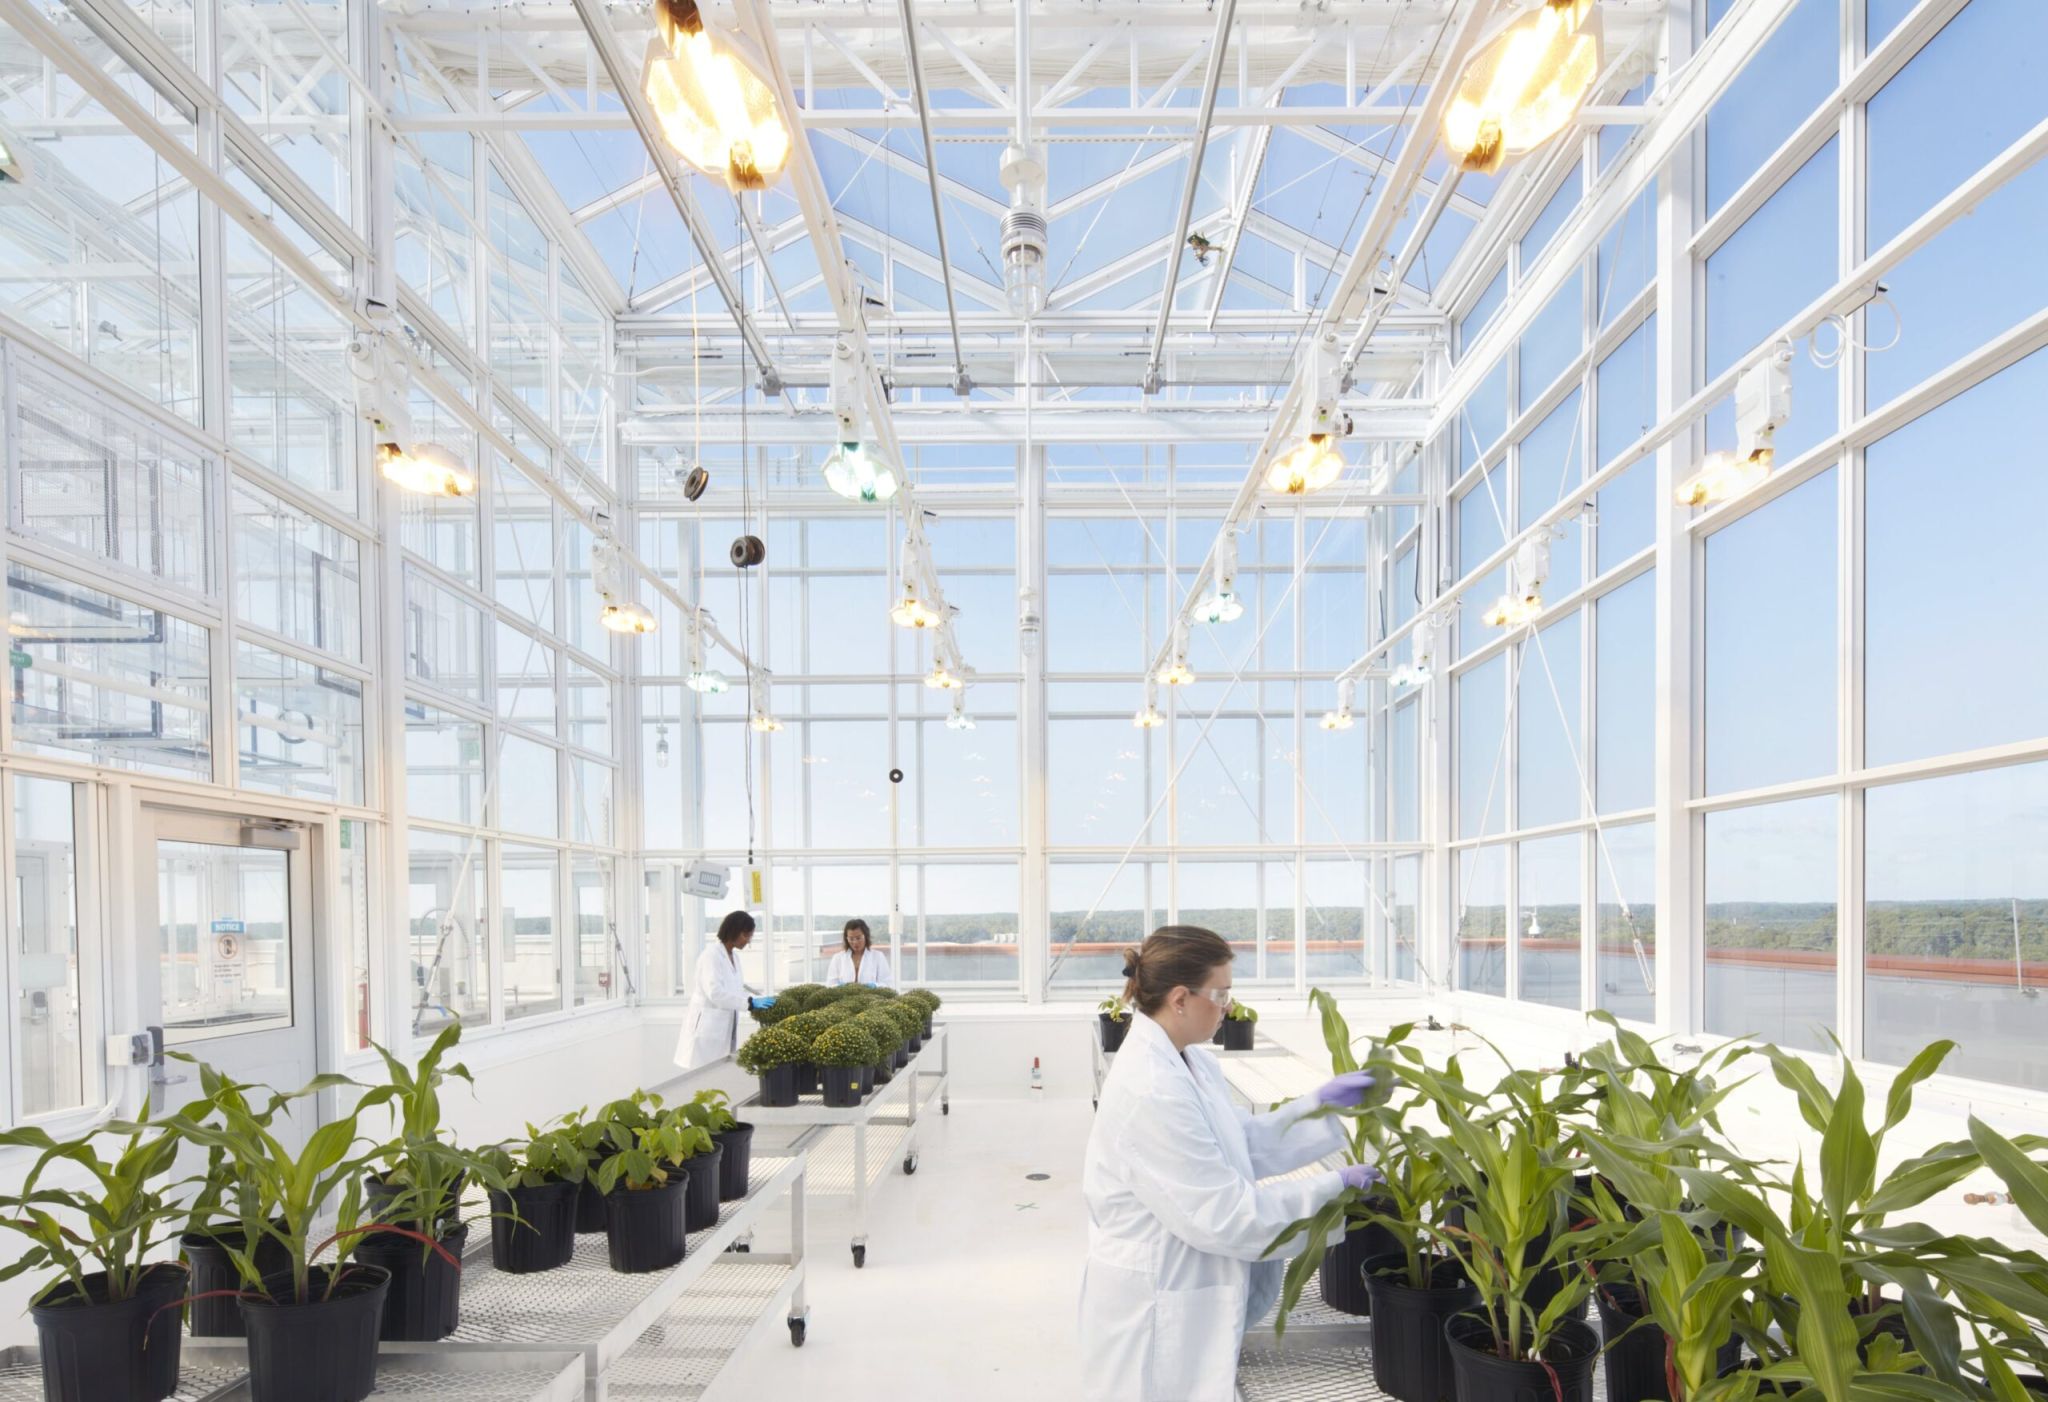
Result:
{"points": [[1360, 1176], [1346, 1091]]}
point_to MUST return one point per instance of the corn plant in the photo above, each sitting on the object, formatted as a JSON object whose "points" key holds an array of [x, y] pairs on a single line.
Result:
{"points": [[113, 1229]]}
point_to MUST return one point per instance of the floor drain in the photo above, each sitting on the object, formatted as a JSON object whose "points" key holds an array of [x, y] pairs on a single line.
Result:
{"points": [[1039, 1177]]}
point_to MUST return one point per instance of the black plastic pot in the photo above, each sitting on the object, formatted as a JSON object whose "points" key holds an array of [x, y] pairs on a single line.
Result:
{"points": [[645, 1229], [1635, 1353], [842, 1087], [778, 1086], [1237, 1036], [700, 1212], [1341, 1277], [902, 1058], [2034, 1383], [927, 1029], [885, 1072], [1565, 1375], [735, 1166], [424, 1302], [1113, 1031], [1410, 1360], [214, 1270], [126, 1351], [544, 1237], [324, 1350], [806, 1078], [590, 1210], [867, 1081]]}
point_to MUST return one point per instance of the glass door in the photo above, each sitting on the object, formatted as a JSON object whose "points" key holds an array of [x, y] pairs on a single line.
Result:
{"points": [[234, 963]]}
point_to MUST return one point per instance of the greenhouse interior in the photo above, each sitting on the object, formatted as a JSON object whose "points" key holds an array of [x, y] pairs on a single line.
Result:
{"points": [[1159, 700]]}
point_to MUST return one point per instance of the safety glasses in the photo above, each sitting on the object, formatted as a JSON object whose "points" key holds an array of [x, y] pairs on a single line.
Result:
{"points": [[1219, 996]]}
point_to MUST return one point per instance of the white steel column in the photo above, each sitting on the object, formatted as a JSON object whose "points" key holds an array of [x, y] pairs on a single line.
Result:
{"points": [[1680, 961], [1034, 888]]}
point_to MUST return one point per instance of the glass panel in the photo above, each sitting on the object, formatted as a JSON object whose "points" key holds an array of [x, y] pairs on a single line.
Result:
{"points": [[1550, 464], [523, 547], [444, 766], [1770, 921], [1549, 751], [99, 678], [1224, 897], [1955, 927], [451, 969], [1406, 763], [840, 894], [530, 953], [850, 800], [590, 808], [224, 949], [1334, 902], [45, 917], [444, 638], [526, 785], [1625, 696], [1985, 444], [296, 576], [590, 905], [1555, 335], [1482, 749], [1770, 642], [1219, 796], [1549, 934], [526, 679], [1775, 91], [590, 709], [95, 481], [298, 727], [1481, 932], [969, 919], [1407, 963], [1625, 920], [968, 782], [1104, 780], [1097, 910]]}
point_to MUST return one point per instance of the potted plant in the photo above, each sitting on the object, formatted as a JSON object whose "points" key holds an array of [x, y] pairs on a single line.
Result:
{"points": [[841, 1052], [909, 1024], [313, 1326], [646, 1188], [107, 1322], [604, 1134], [1237, 1027], [213, 1243], [1512, 1178], [927, 1003], [711, 1109], [772, 1054], [533, 1210], [1112, 1024], [888, 1038], [420, 1188]]}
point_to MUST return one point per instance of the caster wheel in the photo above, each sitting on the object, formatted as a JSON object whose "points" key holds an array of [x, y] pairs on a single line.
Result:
{"points": [[945, 1107], [1095, 1104], [796, 1333], [743, 1247], [860, 1258], [910, 1164]]}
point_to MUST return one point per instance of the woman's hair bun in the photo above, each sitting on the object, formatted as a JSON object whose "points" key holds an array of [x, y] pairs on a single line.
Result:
{"points": [[1131, 958]]}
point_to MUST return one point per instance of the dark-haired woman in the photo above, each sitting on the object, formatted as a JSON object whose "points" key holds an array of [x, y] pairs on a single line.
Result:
{"points": [[1182, 1202], [858, 961], [718, 995]]}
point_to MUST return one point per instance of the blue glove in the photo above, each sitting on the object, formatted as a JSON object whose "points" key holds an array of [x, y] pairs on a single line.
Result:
{"points": [[1360, 1176], [759, 1003], [1346, 1091]]}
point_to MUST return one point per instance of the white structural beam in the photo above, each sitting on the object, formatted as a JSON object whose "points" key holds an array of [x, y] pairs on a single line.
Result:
{"points": [[1225, 10], [931, 174], [1050, 422]]}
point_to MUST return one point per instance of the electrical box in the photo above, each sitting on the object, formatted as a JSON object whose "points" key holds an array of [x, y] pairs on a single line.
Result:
{"points": [[706, 880]]}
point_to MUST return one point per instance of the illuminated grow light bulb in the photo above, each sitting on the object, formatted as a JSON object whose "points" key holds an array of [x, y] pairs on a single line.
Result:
{"points": [[1524, 87], [939, 679], [1309, 466], [1340, 719], [1176, 673], [717, 114], [626, 617], [1725, 476], [707, 681], [858, 475], [1148, 717], [428, 469]]}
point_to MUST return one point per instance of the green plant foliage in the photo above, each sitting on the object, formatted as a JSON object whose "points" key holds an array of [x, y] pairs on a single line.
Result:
{"points": [[1113, 1009], [710, 1110], [422, 1162], [848, 1044], [616, 1125], [771, 1047], [809, 1025], [1242, 1012], [112, 1228], [801, 997], [909, 1021], [656, 1152], [888, 1034]]}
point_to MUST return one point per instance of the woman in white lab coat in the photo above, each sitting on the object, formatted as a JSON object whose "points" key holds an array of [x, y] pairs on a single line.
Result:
{"points": [[858, 961], [1178, 1180], [718, 995]]}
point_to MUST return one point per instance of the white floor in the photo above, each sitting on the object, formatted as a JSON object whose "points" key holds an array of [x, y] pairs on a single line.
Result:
{"points": [[971, 1278]]}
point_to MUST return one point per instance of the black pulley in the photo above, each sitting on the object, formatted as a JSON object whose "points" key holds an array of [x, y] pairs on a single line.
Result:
{"points": [[748, 550], [695, 483]]}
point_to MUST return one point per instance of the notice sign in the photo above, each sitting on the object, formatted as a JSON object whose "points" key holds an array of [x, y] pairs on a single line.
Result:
{"points": [[229, 953]]}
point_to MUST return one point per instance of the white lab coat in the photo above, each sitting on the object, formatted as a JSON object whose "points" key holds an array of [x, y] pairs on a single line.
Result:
{"points": [[717, 998], [874, 969], [1179, 1220]]}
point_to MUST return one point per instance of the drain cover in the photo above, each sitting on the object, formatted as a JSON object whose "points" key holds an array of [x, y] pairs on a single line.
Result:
{"points": [[1039, 1177]]}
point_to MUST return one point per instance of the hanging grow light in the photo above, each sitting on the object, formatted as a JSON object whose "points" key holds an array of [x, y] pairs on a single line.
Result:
{"points": [[1524, 87], [714, 111]]}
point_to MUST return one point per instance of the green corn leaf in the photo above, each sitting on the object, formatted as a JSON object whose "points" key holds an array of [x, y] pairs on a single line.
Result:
{"points": [[1848, 1155], [1825, 1335], [1816, 1106], [1998, 1374], [1900, 1100], [2026, 1180]]}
